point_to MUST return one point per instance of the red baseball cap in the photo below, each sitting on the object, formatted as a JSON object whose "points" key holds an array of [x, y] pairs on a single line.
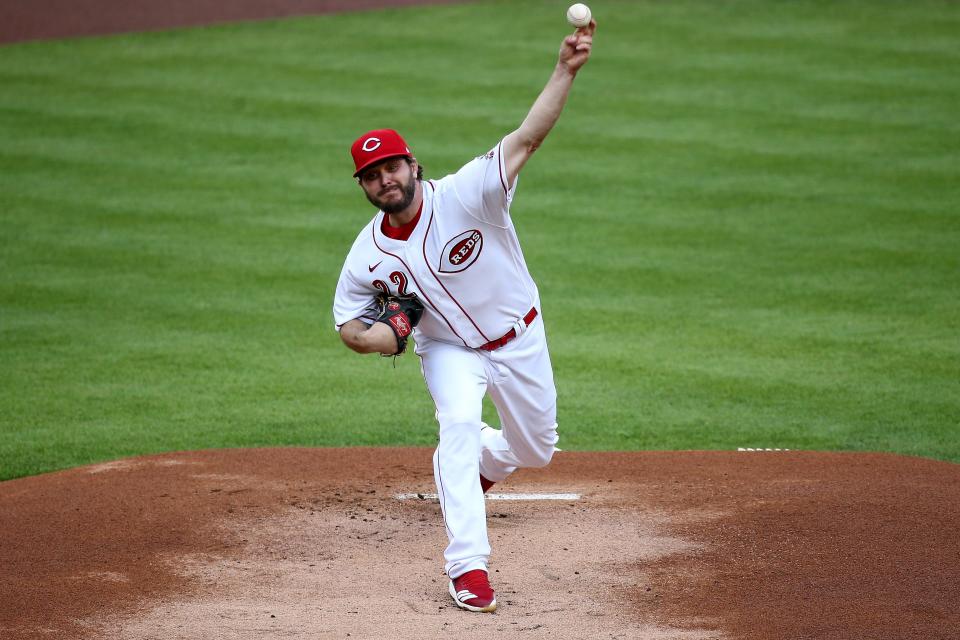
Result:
{"points": [[377, 145]]}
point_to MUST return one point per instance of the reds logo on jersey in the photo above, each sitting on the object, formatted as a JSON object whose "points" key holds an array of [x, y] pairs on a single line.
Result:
{"points": [[461, 251]]}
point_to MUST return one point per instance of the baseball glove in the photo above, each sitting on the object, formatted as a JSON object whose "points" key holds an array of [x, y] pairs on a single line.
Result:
{"points": [[401, 314]]}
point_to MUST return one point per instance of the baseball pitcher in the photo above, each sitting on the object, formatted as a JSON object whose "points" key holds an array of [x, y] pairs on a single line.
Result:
{"points": [[441, 261]]}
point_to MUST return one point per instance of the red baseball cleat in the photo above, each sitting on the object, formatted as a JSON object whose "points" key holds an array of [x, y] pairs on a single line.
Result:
{"points": [[472, 592], [486, 484]]}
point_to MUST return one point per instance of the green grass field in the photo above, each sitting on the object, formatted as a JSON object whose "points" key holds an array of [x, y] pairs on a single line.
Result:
{"points": [[745, 227]]}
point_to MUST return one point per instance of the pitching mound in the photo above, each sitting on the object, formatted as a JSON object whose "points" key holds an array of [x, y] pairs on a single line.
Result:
{"points": [[314, 543]]}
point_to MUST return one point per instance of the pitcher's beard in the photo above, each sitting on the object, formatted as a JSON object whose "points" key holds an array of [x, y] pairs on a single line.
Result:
{"points": [[408, 191]]}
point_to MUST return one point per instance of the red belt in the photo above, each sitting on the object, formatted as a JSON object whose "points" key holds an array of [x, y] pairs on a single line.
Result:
{"points": [[510, 335]]}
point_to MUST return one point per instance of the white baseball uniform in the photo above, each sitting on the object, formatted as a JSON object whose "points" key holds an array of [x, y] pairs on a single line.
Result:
{"points": [[481, 332]]}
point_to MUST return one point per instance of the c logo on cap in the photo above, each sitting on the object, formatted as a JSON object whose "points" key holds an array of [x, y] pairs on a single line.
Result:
{"points": [[367, 146]]}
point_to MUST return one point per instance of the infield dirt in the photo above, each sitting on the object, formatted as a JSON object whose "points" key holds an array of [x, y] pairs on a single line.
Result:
{"points": [[313, 543], [45, 19]]}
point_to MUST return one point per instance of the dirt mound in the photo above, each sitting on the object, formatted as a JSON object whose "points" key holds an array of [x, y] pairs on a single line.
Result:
{"points": [[44, 19], [314, 543]]}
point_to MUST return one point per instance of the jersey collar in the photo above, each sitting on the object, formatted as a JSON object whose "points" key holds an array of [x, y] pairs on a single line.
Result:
{"points": [[402, 232]]}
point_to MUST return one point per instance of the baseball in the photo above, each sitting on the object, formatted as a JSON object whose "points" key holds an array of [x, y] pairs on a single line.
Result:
{"points": [[578, 15]]}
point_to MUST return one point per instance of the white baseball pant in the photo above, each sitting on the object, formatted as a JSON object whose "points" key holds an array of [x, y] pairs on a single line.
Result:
{"points": [[519, 380]]}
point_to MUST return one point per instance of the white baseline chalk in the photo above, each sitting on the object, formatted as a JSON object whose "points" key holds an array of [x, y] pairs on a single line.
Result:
{"points": [[497, 496]]}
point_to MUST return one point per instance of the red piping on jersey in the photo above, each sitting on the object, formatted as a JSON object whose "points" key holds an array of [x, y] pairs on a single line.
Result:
{"points": [[440, 487], [373, 231], [435, 277], [443, 493], [402, 232], [503, 180]]}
